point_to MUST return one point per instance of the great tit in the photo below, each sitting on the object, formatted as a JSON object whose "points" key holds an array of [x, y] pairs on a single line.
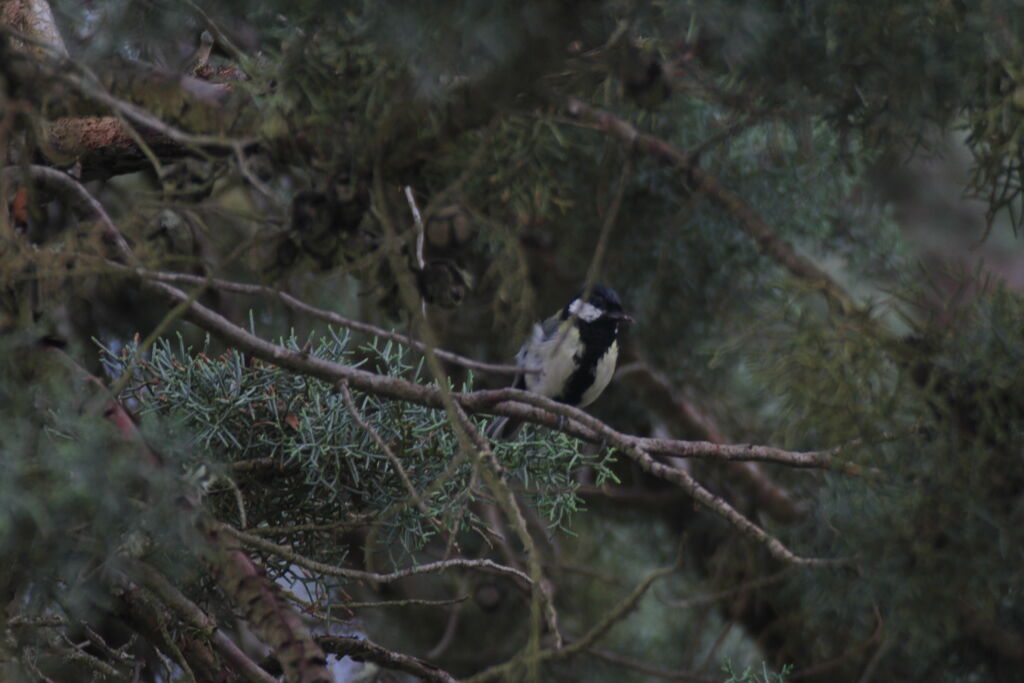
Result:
{"points": [[573, 351]]}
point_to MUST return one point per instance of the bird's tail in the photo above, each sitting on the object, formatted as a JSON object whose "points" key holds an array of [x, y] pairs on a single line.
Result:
{"points": [[503, 429]]}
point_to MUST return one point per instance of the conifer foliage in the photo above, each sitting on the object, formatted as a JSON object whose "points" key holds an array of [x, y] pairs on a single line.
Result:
{"points": [[263, 266]]}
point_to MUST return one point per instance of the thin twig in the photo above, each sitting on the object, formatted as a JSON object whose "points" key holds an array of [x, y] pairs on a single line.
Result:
{"points": [[328, 316], [77, 653], [609, 222], [451, 625], [392, 458], [402, 603], [71, 189], [220, 36], [418, 222], [239, 501], [359, 575], [361, 648], [614, 616], [711, 598], [816, 670], [869, 669], [649, 669], [356, 521], [421, 264]]}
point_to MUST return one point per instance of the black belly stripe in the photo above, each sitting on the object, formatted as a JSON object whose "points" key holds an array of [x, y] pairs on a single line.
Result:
{"points": [[596, 338]]}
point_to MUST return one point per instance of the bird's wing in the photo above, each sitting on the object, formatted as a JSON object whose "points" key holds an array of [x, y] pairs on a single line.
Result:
{"points": [[548, 328], [526, 356], [535, 353]]}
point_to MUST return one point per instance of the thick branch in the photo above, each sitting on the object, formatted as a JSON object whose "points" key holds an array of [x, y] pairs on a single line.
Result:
{"points": [[266, 611], [35, 19], [195, 617]]}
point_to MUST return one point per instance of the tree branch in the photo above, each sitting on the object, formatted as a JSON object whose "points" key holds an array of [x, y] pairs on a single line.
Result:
{"points": [[361, 649], [433, 396], [497, 401], [328, 316], [507, 670], [438, 396], [244, 582], [360, 575], [768, 241], [195, 617], [35, 19]]}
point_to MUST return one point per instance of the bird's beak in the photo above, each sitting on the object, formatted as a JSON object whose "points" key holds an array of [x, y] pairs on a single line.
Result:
{"points": [[622, 318]]}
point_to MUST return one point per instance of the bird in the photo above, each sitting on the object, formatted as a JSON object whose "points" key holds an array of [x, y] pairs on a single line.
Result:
{"points": [[573, 353]]}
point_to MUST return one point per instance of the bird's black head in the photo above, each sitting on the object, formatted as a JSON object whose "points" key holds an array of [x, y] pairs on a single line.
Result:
{"points": [[602, 304]]}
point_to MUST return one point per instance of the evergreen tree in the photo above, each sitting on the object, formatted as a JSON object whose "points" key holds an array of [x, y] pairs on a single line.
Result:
{"points": [[264, 265]]}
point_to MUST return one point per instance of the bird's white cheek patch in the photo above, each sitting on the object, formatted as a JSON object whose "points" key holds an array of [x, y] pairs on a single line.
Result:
{"points": [[584, 311]]}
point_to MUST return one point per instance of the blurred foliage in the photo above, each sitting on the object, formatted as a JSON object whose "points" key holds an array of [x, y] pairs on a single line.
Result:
{"points": [[78, 501]]}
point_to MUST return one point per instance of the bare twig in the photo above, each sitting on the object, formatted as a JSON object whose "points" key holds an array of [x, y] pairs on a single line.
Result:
{"points": [[418, 222], [650, 669], [355, 521], [869, 669], [711, 598], [218, 34], [359, 575], [361, 648], [609, 222], [829, 664], [683, 417], [77, 653], [616, 614], [451, 625], [403, 603], [328, 316], [421, 264], [414, 495]]}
